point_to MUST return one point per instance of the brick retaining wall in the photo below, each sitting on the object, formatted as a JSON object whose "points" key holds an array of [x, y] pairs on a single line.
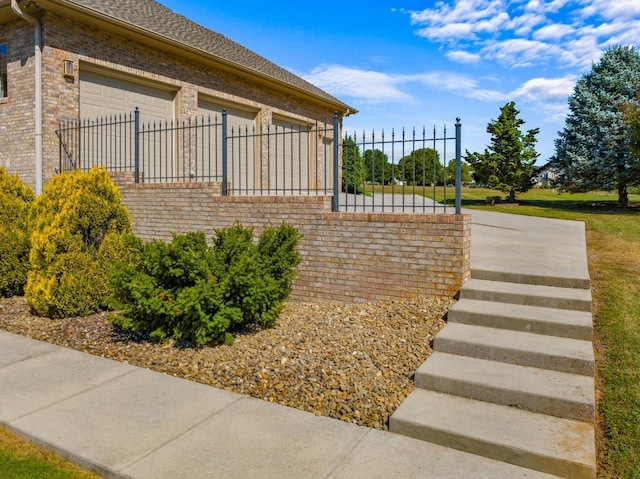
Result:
{"points": [[347, 256]]}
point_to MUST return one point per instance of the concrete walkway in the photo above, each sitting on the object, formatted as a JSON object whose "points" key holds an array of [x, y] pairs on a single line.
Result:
{"points": [[127, 422]]}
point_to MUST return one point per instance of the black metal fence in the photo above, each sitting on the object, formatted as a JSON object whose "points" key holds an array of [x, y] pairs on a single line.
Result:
{"points": [[410, 171]]}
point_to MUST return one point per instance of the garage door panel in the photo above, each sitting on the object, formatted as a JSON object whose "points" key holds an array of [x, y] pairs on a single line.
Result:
{"points": [[290, 169], [104, 96], [241, 151], [115, 95]]}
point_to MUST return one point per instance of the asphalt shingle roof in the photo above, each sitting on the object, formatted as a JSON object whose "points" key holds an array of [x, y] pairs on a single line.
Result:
{"points": [[153, 17]]}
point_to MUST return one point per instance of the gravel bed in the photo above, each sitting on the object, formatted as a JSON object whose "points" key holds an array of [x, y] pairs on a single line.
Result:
{"points": [[351, 362]]}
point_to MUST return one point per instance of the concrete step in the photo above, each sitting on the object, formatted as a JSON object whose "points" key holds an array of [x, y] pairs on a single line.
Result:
{"points": [[525, 349], [557, 446], [527, 294], [559, 394], [562, 281], [517, 317]]}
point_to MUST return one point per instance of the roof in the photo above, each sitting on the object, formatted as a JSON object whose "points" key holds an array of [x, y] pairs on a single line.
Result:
{"points": [[155, 20]]}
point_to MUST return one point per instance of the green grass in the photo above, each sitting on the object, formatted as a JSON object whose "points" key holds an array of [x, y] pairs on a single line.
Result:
{"points": [[613, 244], [22, 460]]}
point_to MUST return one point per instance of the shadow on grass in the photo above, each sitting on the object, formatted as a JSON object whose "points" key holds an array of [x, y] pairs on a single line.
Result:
{"points": [[582, 206]]}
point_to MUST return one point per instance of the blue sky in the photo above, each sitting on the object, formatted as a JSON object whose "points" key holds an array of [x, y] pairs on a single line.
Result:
{"points": [[409, 63]]}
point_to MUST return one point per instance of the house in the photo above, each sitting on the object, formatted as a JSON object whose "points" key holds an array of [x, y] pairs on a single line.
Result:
{"points": [[546, 178], [65, 60]]}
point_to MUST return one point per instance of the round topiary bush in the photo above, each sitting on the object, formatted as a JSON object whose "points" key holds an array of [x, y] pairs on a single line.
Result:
{"points": [[70, 221], [16, 200]]}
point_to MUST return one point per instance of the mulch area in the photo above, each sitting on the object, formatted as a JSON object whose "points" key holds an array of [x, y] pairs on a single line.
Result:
{"points": [[351, 362]]}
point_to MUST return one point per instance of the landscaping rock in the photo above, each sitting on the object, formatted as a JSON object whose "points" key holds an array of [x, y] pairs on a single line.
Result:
{"points": [[351, 362]]}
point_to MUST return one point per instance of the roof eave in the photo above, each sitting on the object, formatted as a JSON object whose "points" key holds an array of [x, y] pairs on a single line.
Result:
{"points": [[136, 32]]}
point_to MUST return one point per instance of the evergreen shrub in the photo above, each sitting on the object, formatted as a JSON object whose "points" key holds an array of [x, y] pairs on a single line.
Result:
{"points": [[16, 200], [71, 220], [189, 290]]}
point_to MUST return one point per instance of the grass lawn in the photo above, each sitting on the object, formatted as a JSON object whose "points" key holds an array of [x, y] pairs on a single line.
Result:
{"points": [[613, 244], [22, 460]]}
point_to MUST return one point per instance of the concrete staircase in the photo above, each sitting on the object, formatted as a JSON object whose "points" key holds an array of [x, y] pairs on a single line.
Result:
{"points": [[511, 378]]}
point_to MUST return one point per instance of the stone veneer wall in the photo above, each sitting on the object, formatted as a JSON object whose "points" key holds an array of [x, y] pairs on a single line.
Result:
{"points": [[347, 256]]}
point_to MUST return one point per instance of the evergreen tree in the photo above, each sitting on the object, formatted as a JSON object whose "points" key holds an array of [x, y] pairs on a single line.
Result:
{"points": [[352, 167], [508, 163], [593, 151]]}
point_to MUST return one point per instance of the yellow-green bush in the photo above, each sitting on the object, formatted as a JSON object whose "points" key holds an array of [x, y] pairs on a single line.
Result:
{"points": [[16, 199], [70, 222]]}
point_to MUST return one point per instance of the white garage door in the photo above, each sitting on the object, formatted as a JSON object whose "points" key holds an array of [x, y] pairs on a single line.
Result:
{"points": [[241, 146], [101, 96]]}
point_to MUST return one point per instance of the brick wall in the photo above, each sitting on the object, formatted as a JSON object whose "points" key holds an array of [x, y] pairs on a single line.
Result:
{"points": [[66, 39], [347, 256], [17, 127]]}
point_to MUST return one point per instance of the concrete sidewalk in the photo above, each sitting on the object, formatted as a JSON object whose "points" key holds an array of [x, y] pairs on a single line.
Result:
{"points": [[128, 422], [528, 249]]}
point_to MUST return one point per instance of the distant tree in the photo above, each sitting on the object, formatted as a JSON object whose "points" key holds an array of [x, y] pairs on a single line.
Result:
{"points": [[508, 162], [377, 168], [352, 167], [421, 167], [465, 172], [594, 150]]}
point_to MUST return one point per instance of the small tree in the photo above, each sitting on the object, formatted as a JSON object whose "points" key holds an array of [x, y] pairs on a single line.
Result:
{"points": [[68, 265], [352, 167], [593, 150], [421, 167], [465, 172], [508, 164], [377, 168]]}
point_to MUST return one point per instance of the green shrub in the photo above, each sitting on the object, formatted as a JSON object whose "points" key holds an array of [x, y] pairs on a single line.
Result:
{"points": [[16, 200], [70, 220], [189, 290]]}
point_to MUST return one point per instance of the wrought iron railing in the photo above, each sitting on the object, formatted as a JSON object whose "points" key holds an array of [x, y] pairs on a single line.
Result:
{"points": [[407, 171]]}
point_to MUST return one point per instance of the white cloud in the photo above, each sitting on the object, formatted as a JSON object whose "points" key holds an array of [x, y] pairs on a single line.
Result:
{"points": [[553, 32], [612, 9], [519, 52], [462, 11], [525, 24], [524, 33], [460, 22], [546, 89], [554, 112], [451, 32], [460, 56], [553, 6], [377, 87], [367, 85]]}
